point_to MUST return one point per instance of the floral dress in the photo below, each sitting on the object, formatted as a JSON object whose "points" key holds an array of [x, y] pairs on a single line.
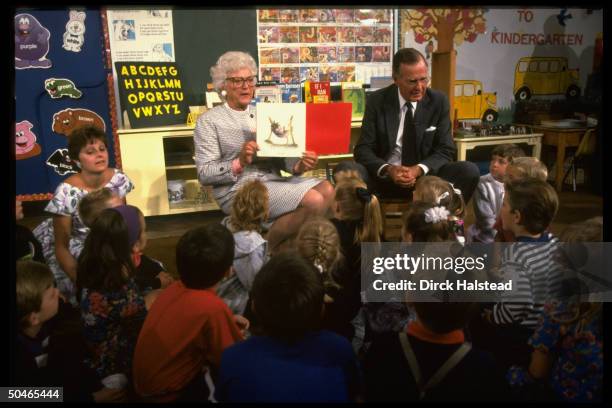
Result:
{"points": [[577, 373], [65, 201], [112, 321]]}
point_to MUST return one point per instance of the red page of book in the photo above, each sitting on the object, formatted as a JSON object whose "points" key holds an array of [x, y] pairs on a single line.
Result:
{"points": [[328, 127]]}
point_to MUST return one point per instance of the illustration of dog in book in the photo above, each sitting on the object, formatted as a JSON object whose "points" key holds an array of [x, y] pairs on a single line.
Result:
{"points": [[281, 135]]}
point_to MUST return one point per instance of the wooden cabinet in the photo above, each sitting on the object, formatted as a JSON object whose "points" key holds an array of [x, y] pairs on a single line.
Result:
{"points": [[153, 157]]}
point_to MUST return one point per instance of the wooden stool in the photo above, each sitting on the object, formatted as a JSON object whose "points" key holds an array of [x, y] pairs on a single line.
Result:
{"points": [[391, 210]]}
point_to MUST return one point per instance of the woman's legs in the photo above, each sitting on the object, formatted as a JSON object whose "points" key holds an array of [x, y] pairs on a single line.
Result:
{"points": [[315, 202]]}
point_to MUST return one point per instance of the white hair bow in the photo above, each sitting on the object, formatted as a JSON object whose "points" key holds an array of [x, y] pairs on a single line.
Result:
{"points": [[456, 190], [436, 214], [319, 267]]}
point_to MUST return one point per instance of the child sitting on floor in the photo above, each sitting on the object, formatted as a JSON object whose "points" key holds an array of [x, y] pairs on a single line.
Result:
{"points": [[520, 168], [50, 349], [112, 306], [249, 211], [439, 192], [293, 361], [567, 344], [489, 194], [189, 325]]}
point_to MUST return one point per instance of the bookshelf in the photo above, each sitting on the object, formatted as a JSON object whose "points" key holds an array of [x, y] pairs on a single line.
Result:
{"points": [[153, 157]]}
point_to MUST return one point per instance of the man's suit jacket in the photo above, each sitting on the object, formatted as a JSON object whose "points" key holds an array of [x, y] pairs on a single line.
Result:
{"points": [[380, 125]]}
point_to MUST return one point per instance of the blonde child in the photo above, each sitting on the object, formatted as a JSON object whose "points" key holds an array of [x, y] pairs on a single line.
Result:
{"points": [[112, 306], [150, 273], [250, 209], [490, 193], [437, 191], [318, 242], [526, 167], [49, 346]]}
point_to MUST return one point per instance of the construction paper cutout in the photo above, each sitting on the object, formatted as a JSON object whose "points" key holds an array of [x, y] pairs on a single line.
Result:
{"points": [[328, 127], [31, 43], [25, 141], [74, 37], [65, 121], [58, 87], [61, 162]]}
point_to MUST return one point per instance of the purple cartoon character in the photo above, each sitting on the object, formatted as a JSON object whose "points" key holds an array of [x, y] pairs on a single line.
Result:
{"points": [[31, 43]]}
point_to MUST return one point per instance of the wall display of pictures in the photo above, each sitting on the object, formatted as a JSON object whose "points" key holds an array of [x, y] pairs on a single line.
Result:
{"points": [[336, 45]]}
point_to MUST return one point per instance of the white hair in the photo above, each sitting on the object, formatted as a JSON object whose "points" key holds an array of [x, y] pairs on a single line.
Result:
{"points": [[231, 61]]}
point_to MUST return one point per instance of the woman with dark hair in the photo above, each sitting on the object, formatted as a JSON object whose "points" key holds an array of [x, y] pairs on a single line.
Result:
{"points": [[62, 236]]}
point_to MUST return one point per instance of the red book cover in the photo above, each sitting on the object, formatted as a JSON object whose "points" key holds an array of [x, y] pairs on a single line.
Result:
{"points": [[328, 127]]}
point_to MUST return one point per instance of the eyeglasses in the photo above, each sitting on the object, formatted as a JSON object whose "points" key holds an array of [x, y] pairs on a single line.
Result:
{"points": [[239, 82], [414, 82]]}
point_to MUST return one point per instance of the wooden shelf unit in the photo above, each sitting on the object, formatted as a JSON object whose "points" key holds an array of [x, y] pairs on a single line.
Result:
{"points": [[146, 153]]}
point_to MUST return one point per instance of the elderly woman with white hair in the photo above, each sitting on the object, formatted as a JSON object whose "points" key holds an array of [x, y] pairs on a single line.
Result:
{"points": [[225, 148]]}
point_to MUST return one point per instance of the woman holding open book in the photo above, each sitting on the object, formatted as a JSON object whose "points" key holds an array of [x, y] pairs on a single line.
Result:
{"points": [[226, 154]]}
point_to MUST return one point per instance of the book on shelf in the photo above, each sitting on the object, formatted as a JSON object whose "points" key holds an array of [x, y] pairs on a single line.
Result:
{"points": [[291, 92], [268, 92], [353, 93], [317, 92]]}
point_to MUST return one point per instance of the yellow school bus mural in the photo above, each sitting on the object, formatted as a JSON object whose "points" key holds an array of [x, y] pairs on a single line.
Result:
{"points": [[472, 103], [544, 76]]}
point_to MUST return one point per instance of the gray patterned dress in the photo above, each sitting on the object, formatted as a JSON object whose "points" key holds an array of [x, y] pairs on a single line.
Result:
{"points": [[218, 138]]}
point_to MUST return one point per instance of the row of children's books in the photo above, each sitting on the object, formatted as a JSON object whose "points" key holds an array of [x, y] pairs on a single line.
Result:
{"points": [[314, 92]]}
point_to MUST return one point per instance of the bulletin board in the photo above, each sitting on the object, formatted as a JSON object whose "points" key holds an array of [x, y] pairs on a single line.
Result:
{"points": [[60, 83]]}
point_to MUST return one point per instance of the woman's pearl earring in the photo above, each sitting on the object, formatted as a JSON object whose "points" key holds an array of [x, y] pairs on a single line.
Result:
{"points": [[223, 92]]}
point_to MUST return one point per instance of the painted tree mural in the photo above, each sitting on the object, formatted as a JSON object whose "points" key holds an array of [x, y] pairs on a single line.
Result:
{"points": [[449, 27]]}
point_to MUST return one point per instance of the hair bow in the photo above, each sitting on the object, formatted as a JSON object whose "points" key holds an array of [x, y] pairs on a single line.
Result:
{"points": [[456, 190], [319, 267], [442, 197], [363, 194], [436, 214]]}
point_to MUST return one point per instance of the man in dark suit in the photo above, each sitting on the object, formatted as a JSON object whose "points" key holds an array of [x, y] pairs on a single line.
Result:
{"points": [[398, 146]]}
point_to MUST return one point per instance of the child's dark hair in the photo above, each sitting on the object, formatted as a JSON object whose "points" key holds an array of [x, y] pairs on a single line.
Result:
{"points": [[508, 151], [203, 255], [444, 317], [33, 279], [537, 202], [81, 137], [287, 296], [414, 222], [107, 254]]}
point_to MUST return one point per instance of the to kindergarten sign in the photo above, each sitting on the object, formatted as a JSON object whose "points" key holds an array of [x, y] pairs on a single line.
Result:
{"points": [[151, 93]]}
